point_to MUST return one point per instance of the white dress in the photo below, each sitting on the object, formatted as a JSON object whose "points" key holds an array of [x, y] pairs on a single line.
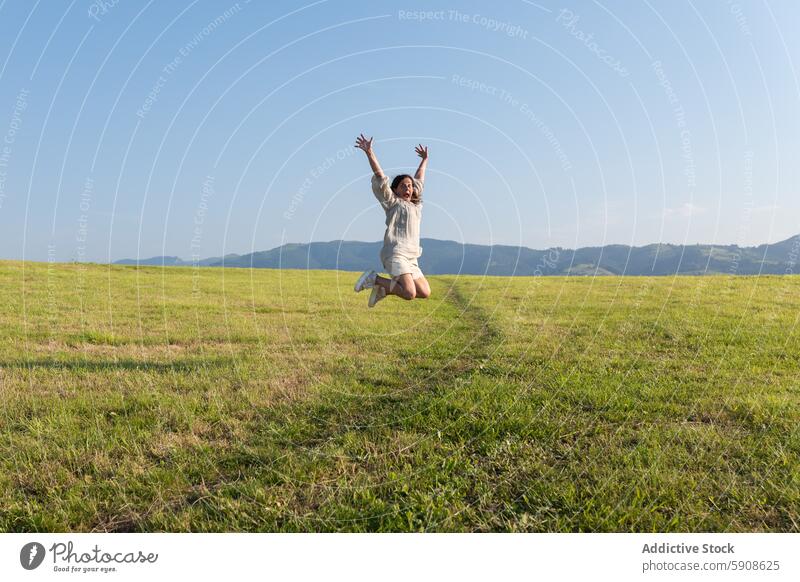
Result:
{"points": [[401, 240]]}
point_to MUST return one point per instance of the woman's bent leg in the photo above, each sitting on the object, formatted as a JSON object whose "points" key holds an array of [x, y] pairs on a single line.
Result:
{"points": [[403, 286], [423, 288]]}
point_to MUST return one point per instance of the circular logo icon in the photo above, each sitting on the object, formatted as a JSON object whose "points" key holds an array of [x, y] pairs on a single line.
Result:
{"points": [[31, 555]]}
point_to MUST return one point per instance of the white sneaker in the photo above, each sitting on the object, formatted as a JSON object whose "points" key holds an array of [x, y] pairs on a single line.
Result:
{"points": [[365, 281], [377, 294]]}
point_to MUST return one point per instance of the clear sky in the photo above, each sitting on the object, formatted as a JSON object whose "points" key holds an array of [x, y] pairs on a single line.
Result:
{"points": [[134, 129]]}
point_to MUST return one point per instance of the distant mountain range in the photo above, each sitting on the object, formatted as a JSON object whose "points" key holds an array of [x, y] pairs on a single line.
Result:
{"points": [[443, 257]]}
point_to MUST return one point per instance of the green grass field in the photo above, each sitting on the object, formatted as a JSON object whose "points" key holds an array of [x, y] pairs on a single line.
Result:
{"points": [[233, 400]]}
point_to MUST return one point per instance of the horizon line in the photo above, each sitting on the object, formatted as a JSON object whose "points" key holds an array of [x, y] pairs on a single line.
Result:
{"points": [[140, 258], [472, 244]]}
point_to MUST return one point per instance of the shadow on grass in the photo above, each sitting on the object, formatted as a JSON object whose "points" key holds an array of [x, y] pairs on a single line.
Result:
{"points": [[405, 401], [121, 364]]}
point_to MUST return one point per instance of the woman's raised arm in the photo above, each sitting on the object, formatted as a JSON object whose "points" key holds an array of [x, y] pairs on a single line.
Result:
{"points": [[423, 153], [365, 144]]}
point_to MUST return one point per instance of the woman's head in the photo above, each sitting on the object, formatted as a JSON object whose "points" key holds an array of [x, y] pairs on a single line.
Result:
{"points": [[403, 188]]}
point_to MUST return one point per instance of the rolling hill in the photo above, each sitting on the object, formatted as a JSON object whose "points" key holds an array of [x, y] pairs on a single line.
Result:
{"points": [[444, 257]]}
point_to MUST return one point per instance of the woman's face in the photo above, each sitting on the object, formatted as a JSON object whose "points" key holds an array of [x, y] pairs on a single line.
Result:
{"points": [[405, 189]]}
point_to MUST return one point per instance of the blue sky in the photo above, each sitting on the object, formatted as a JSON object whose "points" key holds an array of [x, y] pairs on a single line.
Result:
{"points": [[140, 129]]}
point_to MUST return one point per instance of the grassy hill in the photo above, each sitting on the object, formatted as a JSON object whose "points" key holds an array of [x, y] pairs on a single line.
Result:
{"points": [[186, 399]]}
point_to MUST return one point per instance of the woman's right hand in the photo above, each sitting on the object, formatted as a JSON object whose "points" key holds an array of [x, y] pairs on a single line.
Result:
{"points": [[363, 143]]}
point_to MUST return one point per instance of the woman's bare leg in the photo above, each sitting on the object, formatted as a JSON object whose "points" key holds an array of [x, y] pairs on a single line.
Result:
{"points": [[403, 286], [423, 288]]}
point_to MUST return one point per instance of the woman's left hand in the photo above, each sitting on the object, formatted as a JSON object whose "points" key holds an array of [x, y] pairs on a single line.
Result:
{"points": [[422, 151]]}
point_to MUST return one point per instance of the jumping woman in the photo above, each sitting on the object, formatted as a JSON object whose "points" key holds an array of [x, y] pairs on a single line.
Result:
{"points": [[402, 202]]}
